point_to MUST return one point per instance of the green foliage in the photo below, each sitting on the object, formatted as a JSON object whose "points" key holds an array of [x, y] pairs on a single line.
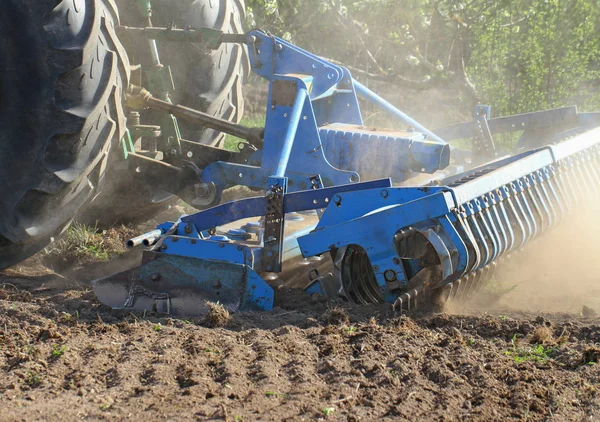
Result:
{"points": [[84, 242], [328, 411], [533, 353], [58, 351], [517, 55]]}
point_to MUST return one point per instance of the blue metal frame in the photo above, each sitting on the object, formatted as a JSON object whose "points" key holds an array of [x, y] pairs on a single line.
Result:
{"points": [[315, 151], [314, 127]]}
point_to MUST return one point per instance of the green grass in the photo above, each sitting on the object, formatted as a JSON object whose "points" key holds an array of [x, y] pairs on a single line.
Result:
{"points": [[328, 411], [231, 141], [532, 353], [86, 242], [58, 351]]}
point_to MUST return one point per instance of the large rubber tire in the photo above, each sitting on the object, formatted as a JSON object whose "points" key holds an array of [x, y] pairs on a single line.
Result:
{"points": [[62, 72], [210, 81], [206, 80]]}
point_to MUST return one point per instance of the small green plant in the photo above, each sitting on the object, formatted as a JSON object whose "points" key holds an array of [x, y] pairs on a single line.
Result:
{"points": [[33, 379], [328, 411], [503, 317], [270, 393], [471, 342], [158, 327], [351, 329], [535, 353], [237, 418], [105, 406], [58, 351]]}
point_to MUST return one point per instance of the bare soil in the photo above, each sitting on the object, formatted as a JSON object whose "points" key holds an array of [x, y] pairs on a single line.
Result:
{"points": [[64, 356]]}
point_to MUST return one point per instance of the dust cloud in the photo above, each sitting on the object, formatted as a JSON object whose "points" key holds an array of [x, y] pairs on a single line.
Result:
{"points": [[557, 272]]}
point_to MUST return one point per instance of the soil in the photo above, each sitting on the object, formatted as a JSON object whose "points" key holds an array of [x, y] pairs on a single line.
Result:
{"points": [[64, 356]]}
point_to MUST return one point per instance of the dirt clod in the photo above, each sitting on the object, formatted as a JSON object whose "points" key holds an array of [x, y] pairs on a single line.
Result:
{"points": [[217, 316]]}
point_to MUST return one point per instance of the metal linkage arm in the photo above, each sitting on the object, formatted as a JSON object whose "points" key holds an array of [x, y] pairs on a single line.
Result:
{"points": [[140, 98]]}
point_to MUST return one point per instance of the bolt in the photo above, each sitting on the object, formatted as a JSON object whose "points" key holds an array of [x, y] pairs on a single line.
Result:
{"points": [[189, 228], [155, 277], [163, 247], [384, 193], [216, 284], [375, 268], [278, 47], [201, 190], [252, 39], [173, 151], [396, 261], [271, 240], [390, 275]]}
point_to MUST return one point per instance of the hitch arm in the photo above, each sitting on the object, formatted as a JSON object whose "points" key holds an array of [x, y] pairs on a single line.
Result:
{"points": [[140, 98]]}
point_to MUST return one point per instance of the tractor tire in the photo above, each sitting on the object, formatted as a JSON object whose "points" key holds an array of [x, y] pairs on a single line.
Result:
{"points": [[62, 73], [210, 81], [205, 80]]}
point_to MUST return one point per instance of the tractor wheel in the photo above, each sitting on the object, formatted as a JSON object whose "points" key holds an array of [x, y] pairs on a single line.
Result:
{"points": [[62, 72], [210, 81]]}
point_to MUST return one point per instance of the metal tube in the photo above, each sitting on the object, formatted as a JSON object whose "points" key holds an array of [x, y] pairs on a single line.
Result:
{"points": [[386, 106], [252, 135], [146, 239], [290, 134], [154, 52]]}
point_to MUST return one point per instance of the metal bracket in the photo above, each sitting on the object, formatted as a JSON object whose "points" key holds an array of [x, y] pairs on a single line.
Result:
{"points": [[274, 224]]}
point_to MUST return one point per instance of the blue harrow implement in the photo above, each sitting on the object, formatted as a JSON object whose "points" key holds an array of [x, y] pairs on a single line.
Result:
{"points": [[336, 215]]}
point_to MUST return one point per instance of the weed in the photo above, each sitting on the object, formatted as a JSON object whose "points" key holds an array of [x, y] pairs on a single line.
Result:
{"points": [[471, 342], [270, 393], [158, 327], [33, 379], [534, 353], [83, 242], [328, 411], [504, 317], [58, 351], [105, 406], [351, 329], [237, 418]]}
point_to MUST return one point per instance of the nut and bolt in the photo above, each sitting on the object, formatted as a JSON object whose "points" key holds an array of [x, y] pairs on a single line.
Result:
{"points": [[155, 277], [390, 275]]}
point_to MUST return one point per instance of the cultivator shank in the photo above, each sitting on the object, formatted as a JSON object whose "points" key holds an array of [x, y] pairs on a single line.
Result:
{"points": [[410, 246]]}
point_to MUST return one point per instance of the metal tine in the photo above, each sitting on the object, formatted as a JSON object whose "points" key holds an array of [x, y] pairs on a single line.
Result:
{"points": [[480, 240], [526, 197], [469, 241], [580, 174], [590, 168], [473, 282], [497, 222], [490, 203], [507, 223], [523, 206], [568, 181], [539, 214], [581, 181], [582, 163], [593, 165], [550, 188], [547, 207], [522, 218], [489, 234], [516, 220], [562, 189]]}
